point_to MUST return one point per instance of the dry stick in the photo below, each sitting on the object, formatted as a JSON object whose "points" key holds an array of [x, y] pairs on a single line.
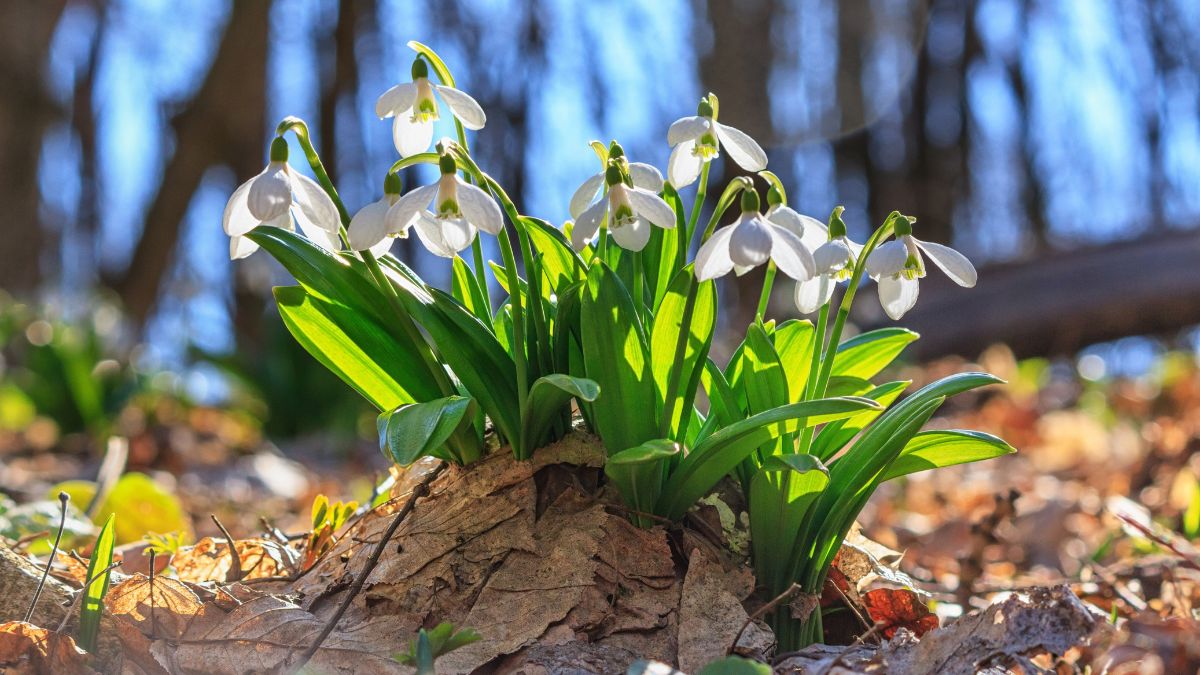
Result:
{"points": [[63, 498], [235, 572], [420, 490], [82, 592], [760, 612], [849, 604], [153, 620]]}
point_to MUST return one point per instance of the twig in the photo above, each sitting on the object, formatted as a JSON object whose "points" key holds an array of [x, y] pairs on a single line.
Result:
{"points": [[760, 612], [26, 539], [850, 604], [153, 620], [420, 490], [63, 498], [82, 592], [235, 572]]}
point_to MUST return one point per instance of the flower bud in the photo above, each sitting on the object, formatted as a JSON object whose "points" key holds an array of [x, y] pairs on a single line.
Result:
{"points": [[392, 184], [615, 151], [704, 109], [448, 166], [279, 149], [612, 175], [837, 226], [750, 202], [420, 69], [902, 225]]}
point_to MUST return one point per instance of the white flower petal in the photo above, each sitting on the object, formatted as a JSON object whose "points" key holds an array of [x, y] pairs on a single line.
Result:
{"points": [[712, 260], [444, 237], [686, 129], [315, 205], [411, 138], [741, 148], [897, 295], [587, 224], [810, 230], [831, 256], [270, 192], [400, 215], [479, 208], [381, 249], [646, 177], [240, 247], [741, 270], [330, 241], [237, 219], [585, 194], [954, 264], [790, 254], [750, 243], [651, 207], [684, 167], [396, 100], [465, 108], [632, 236], [887, 260], [458, 233], [368, 227], [811, 294]]}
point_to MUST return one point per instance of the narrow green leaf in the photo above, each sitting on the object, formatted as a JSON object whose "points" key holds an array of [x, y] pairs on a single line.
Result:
{"points": [[793, 344], [664, 339], [416, 430], [935, 449], [464, 286], [835, 435], [355, 348], [96, 586], [718, 454], [638, 474], [561, 265], [864, 355], [547, 397], [614, 352], [781, 493], [735, 665]]}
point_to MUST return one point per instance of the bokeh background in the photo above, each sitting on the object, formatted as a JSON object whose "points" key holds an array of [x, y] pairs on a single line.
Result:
{"points": [[1056, 142]]}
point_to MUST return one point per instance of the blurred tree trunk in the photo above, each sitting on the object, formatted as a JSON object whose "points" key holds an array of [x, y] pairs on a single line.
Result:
{"points": [[852, 151], [222, 124], [83, 121], [339, 79], [26, 111], [738, 69]]}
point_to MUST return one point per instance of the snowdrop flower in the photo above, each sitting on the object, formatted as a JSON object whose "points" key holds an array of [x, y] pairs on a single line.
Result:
{"points": [[630, 210], [751, 241], [834, 257], [415, 110], [275, 197], [460, 210], [644, 176], [898, 264], [368, 228], [696, 140]]}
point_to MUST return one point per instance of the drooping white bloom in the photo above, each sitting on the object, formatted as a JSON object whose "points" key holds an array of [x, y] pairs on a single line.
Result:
{"points": [[751, 241], [415, 109], [897, 266], [696, 140], [459, 210], [276, 197], [834, 255], [368, 228], [644, 176], [630, 210]]}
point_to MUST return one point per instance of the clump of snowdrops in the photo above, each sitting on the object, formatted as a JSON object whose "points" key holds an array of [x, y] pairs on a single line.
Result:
{"points": [[611, 317]]}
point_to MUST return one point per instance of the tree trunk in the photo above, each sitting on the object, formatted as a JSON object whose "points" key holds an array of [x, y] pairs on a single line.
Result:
{"points": [[223, 124]]}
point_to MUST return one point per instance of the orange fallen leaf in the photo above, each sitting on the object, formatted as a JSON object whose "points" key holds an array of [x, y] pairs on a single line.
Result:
{"points": [[896, 608], [209, 560], [26, 648]]}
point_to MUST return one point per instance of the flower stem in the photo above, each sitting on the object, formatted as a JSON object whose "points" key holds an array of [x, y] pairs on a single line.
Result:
{"points": [[810, 384], [639, 300], [685, 237], [765, 295]]}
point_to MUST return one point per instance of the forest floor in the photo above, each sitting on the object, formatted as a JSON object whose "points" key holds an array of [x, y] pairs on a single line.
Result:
{"points": [[1101, 500]]}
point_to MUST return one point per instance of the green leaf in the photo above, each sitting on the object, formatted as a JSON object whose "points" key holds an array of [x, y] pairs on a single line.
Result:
{"points": [[547, 397], [718, 454], [764, 382], [664, 340], [835, 435], [355, 348], [561, 265], [639, 472], [614, 353], [465, 288], [793, 344], [935, 449], [781, 493], [96, 586], [863, 356], [416, 430]]}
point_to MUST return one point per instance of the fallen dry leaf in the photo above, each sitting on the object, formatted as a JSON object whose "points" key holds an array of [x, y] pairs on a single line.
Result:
{"points": [[894, 608], [160, 609], [26, 648], [710, 617], [209, 560]]}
